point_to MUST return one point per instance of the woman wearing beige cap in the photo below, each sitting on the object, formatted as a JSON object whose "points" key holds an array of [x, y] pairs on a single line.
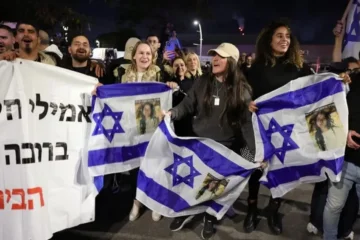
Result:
{"points": [[218, 102]]}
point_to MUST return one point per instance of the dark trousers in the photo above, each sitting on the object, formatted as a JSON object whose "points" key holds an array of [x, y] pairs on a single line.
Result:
{"points": [[318, 201], [122, 182], [348, 215], [210, 217], [254, 186]]}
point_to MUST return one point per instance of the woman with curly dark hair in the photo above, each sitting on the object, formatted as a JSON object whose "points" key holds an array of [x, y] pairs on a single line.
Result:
{"points": [[278, 61]]}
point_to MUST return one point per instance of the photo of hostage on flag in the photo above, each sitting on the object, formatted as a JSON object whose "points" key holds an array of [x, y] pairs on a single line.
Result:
{"points": [[301, 129], [182, 176], [125, 116]]}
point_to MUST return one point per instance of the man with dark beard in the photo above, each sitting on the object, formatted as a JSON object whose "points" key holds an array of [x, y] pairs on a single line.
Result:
{"points": [[80, 61], [27, 36], [7, 39]]}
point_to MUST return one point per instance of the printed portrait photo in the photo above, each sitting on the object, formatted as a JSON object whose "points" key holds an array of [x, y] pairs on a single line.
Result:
{"points": [[325, 128], [148, 115], [211, 188]]}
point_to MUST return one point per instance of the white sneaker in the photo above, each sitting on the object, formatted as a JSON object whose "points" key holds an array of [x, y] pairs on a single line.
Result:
{"points": [[155, 216], [312, 229], [350, 237], [135, 212]]}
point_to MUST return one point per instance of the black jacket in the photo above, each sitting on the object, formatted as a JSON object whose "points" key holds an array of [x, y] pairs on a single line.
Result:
{"points": [[266, 78], [182, 127], [209, 125], [67, 64]]}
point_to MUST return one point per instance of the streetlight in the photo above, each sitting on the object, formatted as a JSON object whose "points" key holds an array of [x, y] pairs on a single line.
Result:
{"points": [[201, 38], [66, 32]]}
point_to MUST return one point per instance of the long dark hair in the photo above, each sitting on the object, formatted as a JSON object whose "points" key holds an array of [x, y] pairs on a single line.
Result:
{"points": [[142, 119], [236, 86], [264, 51], [319, 138]]}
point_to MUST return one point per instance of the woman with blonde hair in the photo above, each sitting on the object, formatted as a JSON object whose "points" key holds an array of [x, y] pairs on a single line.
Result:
{"points": [[142, 68], [193, 65]]}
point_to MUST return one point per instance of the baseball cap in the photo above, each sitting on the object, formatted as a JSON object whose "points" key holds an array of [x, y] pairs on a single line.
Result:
{"points": [[129, 46], [226, 50]]}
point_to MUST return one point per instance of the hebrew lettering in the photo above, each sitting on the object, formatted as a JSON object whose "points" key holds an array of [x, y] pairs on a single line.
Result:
{"points": [[8, 195], [31, 102], [16, 148], [55, 108], [35, 191], [8, 104], [22, 204], [64, 109], [64, 156], [31, 147], [84, 114], [51, 150], [2, 203], [43, 104], [38, 147]]}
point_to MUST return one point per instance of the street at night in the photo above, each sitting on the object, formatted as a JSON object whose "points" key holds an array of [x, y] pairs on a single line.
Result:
{"points": [[295, 212], [115, 113]]}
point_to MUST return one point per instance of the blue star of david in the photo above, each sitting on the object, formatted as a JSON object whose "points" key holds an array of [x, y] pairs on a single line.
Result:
{"points": [[354, 27], [173, 168], [100, 129], [285, 131]]}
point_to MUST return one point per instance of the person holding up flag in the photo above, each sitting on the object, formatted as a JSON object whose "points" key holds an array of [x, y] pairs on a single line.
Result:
{"points": [[351, 42], [348, 215], [141, 69], [277, 63], [219, 101]]}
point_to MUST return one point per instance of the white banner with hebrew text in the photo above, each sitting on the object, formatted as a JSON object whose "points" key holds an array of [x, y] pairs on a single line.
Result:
{"points": [[44, 118]]}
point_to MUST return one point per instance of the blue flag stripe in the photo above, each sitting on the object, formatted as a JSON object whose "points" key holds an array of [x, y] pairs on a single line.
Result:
{"points": [[99, 182], [208, 156], [167, 197], [301, 97], [116, 154], [214, 205], [268, 147], [294, 173], [130, 89]]}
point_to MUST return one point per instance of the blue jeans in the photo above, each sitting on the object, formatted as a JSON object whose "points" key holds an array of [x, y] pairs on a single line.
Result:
{"points": [[337, 196]]}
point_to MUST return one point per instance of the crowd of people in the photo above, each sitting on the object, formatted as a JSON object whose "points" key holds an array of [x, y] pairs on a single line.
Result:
{"points": [[216, 104]]}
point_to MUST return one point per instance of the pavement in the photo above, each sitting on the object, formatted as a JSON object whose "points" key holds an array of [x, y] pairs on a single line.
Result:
{"points": [[112, 221]]}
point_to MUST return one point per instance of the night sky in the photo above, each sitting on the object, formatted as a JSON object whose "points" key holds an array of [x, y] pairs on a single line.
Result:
{"points": [[311, 20]]}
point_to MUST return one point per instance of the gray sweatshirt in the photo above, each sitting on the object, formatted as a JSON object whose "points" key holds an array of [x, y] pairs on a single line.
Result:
{"points": [[210, 126]]}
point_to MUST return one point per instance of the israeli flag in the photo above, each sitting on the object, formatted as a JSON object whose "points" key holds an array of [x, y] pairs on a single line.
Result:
{"points": [[351, 45], [125, 116], [301, 130], [182, 176]]}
